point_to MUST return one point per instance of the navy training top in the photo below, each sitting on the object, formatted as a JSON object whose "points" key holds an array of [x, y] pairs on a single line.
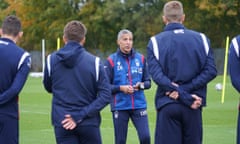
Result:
{"points": [[79, 85], [181, 56], [15, 65]]}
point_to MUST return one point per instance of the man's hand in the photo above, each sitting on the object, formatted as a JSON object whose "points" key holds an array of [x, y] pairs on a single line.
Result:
{"points": [[68, 123], [138, 86], [174, 95], [127, 89], [197, 102]]}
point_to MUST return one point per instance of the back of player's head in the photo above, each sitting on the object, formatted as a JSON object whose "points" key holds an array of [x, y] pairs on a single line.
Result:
{"points": [[11, 26], [173, 11], [75, 31]]}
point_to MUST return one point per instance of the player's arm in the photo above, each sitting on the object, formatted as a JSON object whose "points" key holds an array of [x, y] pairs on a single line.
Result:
{"points": [[109, 65], [155, 69], [18, 81], [103, 94], [161, 79], [102, 99], [146, 79], [234, 64], [208, 73], [47, 83]]}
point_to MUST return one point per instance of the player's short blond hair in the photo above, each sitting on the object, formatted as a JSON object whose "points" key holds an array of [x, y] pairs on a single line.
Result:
{"points": [[173, 11]]}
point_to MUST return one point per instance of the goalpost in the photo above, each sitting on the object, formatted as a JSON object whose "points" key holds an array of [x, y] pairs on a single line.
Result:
{"points": [[40, 74]]}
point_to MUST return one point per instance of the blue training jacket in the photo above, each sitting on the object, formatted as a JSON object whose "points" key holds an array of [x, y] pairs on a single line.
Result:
{"points": [[79, 85], [15, 65], [128, 69], [182, 56], [234, 62]]}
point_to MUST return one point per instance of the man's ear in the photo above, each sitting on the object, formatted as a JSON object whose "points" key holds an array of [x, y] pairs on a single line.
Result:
{"points": [[165, 21], [0, 31], [20, 34], [183, 18], [64, 39], [118, 42], [82, 42]]}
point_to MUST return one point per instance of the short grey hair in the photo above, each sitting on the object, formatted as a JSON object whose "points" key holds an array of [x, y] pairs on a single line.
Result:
{"points": [[123, 31]]}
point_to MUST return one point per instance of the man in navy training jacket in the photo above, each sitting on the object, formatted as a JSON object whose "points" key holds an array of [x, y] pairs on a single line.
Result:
{"points": [[80, 89], [181, 64], [129, 76], [234, 72], [15, 65]]}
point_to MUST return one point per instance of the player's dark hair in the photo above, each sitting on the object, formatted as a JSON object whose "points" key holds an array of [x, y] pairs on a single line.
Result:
{"points": [[11, 25], [75, 31]]}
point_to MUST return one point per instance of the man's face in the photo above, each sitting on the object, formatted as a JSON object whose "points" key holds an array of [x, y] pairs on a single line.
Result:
{"points": [[125, 43]]}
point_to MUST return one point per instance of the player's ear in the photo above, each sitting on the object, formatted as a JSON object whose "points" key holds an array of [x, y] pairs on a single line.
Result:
{"points": [[0, 31], [165, 21], [118, 42], [182, 18], [20, 34], [82, 42], [64, 39]]}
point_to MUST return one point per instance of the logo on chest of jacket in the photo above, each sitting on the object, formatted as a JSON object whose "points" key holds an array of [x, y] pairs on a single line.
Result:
{"points": [[119, 66]]}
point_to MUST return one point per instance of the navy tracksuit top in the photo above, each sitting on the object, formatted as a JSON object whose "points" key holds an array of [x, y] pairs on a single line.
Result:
{"points": [[128, 69], [15, 65], [79, 85], [234, 62], [182, 56]]}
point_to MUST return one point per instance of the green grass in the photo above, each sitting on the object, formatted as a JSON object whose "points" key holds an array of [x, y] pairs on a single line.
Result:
{"points": [[219, 119]]}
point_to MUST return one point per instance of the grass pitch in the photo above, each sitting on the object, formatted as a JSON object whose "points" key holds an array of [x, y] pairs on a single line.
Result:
{"points": [[219, 119]]}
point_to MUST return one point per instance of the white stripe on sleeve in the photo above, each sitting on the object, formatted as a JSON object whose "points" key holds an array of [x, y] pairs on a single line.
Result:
{"points": [[97, 62], [155, 47], [235, 45], [205, 43], [26, 54], [49, 65]]}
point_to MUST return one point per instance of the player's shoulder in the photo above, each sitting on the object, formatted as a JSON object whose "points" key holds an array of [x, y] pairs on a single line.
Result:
{"points": [[236, 41], [17, 50], [137, 53], [194, 32], [237, 37], [112, 55]]}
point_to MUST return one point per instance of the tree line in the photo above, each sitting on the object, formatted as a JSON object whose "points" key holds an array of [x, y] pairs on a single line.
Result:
{"points": [[45, 19]]}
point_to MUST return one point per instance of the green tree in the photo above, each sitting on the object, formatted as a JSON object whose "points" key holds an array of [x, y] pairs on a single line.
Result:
{"points": [[216, 18], [104, 18], [41, 19]]}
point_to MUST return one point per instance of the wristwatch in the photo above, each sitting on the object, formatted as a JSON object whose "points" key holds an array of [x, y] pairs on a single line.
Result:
{"points": [[141, 86]]}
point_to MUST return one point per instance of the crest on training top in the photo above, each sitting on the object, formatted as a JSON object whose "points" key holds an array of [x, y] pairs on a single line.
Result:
{"points": [[119, 66]]}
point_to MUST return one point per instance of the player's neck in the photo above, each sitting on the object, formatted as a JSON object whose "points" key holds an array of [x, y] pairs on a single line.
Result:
{"points": [[15, 39]]}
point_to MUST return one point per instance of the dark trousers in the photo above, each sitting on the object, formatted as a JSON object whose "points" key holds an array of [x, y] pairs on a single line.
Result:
{"points": [[79, 135], [9, 130], [178, 124], [140, 121]]}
